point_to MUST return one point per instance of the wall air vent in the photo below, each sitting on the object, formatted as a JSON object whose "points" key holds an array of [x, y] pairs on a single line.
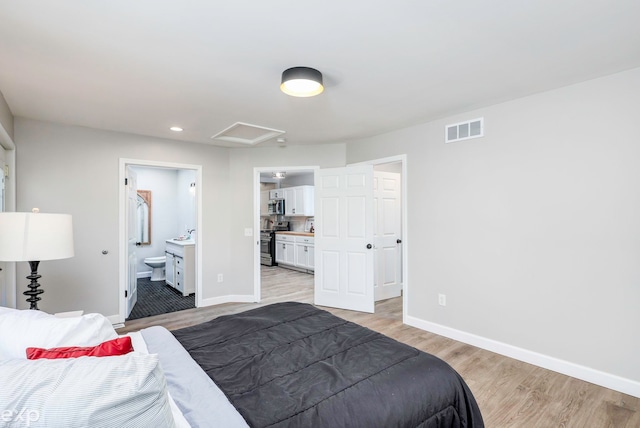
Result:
{"points": [[245, 133], [464, 130]]}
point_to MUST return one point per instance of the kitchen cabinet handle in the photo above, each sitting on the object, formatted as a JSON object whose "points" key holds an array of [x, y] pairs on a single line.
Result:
{"points": [[398, 241]]}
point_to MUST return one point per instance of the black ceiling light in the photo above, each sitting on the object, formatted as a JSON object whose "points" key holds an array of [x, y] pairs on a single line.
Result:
{"points": [[301, 82]]}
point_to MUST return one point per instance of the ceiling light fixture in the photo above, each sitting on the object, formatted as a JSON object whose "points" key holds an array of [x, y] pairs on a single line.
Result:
{"points": [[301, 82], [176, 129], [279, 174]]}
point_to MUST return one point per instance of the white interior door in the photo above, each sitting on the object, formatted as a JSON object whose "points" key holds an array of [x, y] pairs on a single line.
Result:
{"points": [[387, 234], [132, 236], [344, 238]]}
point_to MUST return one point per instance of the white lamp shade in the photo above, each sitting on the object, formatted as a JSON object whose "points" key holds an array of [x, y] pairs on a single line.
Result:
{"points": [[28, 237]]}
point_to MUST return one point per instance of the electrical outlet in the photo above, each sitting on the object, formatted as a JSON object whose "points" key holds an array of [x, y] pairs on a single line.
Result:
{"points": [[248, 231], [442, 299], [220, 277]]}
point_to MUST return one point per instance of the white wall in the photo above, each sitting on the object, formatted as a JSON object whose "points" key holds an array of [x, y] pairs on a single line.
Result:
{"points": [[185, 204], [6, 117], [533, 231], [298, 180], [75, 170]]}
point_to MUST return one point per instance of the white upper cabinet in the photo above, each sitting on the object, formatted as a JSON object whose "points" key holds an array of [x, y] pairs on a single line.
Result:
{"points": [[299, 200], [290, 200], [276, 194]]}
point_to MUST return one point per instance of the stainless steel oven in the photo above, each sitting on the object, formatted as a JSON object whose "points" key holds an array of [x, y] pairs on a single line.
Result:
{"points": [[268, 243]]}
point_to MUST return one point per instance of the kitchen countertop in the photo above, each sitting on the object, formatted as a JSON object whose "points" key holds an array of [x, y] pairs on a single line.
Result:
{"points": [[295, 233]]}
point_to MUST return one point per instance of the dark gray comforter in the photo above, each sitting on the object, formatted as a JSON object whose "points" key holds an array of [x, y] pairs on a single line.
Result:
{"points": [[294, 365]]}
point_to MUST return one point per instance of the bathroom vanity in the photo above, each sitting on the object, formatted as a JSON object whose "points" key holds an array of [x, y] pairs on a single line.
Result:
{"points": [[181, 265]]}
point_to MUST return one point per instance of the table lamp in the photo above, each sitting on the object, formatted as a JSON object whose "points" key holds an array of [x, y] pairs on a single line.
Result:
{"points": [[34, 237]]}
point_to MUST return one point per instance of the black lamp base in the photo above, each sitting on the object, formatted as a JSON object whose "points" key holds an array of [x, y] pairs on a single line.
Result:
{"points": [[33, 291]]}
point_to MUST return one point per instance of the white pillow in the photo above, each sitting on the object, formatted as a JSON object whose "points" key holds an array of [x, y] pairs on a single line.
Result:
{"points": [[124, 391], [5, 310], [29, 328]]}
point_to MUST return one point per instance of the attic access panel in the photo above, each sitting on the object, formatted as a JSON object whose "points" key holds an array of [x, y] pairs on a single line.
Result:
{"points": [[246, 133]]}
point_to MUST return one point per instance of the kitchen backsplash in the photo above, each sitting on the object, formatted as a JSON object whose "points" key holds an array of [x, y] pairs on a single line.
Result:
{"points": [[297, 224]]}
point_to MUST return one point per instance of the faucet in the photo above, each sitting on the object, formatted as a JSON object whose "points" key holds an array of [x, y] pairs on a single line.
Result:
{"points": [[190, 231]]}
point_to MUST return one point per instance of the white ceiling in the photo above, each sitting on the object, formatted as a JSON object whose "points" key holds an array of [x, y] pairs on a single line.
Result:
{"points": [[145, 65]]}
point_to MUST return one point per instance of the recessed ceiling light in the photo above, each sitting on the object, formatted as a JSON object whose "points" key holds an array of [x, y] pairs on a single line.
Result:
{"points": [[176, 129]]}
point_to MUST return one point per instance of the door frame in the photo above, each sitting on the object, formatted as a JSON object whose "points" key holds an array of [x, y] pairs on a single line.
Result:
{"points": [[8, 285], [257, 281], [379, 287], [405, 224], [122, 238]]}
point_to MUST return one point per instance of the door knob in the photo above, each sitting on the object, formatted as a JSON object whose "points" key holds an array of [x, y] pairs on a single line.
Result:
{"points": [[398, 241], [369, 246]]}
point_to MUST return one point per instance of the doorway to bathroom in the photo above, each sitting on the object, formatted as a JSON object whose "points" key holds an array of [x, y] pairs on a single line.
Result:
{"points": [[159, 228]]}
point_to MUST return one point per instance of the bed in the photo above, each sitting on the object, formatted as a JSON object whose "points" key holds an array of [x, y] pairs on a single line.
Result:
{"points": [[283, 365]]}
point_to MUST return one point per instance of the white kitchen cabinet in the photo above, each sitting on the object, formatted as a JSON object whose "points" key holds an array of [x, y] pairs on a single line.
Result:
{"points": [[299, 201], [180, 268], [295, 251], [305, 252], [276, 194], [290, 201], [285, 249], [312, 258], [264, 202]]}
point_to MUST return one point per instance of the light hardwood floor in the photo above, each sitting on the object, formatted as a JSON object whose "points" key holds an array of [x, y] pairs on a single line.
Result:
{"points": [[510, 393]]}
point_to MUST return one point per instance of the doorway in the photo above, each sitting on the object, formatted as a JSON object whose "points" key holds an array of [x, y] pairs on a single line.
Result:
{"points": [[396, 164], [268, 219], [160, 221]]}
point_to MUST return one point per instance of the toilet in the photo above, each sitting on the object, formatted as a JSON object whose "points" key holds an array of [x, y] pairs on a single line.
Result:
{"points": [[157, 263]]}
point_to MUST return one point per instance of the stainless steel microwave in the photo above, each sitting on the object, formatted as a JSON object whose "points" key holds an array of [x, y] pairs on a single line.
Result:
{"points": [[276, 207]]}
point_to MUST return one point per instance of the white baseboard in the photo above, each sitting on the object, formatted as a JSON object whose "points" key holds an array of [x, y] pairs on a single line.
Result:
{"points": [[237, 298], [145, 274], [611, 381], [115, 320]]}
